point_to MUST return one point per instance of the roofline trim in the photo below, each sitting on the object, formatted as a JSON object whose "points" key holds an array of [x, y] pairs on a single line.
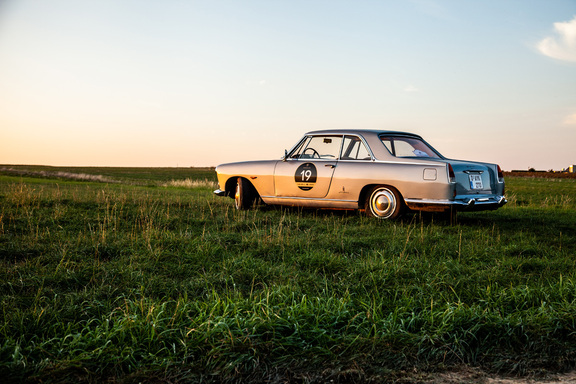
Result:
{"points": [[360, 132]]}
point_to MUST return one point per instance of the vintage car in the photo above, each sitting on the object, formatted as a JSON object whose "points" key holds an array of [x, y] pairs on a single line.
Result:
{"points": [[384, 173]]}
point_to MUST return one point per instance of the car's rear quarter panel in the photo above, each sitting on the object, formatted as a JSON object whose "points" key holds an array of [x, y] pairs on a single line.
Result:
{"points": [[350, 179]]}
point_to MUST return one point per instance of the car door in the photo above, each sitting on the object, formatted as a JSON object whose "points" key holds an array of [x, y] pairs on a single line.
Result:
{"points": [[355, 170], [307, 171]]}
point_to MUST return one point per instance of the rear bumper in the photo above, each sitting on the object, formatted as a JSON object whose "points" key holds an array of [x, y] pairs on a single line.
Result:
{"points": [[477, 203], [480, 203]]}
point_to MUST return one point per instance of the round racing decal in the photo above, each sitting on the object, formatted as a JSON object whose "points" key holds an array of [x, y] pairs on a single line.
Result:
{"points": [[306, 176]]}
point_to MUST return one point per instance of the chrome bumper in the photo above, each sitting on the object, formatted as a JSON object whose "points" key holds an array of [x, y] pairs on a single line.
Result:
{"points": [[468, 203], [220, 192]]}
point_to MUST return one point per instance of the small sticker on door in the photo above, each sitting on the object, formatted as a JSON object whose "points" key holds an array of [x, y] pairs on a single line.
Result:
{"points": [[305, 176]]}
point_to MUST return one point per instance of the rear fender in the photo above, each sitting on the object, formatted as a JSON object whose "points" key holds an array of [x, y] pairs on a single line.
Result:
{"points": [[366, 190]]}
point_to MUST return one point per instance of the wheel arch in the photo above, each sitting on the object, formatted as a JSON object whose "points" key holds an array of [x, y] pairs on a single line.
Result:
{"points": [[230, 186], [384, 202], [367, 188]]}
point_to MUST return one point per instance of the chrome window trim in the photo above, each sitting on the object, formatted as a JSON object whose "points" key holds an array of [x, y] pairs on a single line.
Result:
{"points": [[441, 165]]}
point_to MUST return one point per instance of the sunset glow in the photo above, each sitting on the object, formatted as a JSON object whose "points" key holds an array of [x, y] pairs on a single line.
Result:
{"points": [[199, 83]]}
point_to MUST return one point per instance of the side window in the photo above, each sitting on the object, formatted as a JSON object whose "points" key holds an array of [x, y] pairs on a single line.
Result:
{"points": [[322, 147], [409, 147], [388, 144], [354, 149], [403, 148]]}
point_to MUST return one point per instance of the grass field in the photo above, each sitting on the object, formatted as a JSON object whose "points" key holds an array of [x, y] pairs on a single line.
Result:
{"points": [[142, 275]]}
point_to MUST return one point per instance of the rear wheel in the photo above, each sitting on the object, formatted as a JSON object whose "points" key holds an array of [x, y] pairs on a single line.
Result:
{"points": [[384, 203], [244, 195]]}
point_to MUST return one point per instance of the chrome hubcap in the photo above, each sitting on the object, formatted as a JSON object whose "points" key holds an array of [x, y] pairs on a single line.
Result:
{"points": [[383, 203]]}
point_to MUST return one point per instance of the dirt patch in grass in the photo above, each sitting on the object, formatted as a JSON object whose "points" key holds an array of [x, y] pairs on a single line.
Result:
{"points": [[57, 175], [476, 376]]}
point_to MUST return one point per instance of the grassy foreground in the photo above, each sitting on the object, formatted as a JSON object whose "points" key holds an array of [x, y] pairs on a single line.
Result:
{"points": [[145, 278]]}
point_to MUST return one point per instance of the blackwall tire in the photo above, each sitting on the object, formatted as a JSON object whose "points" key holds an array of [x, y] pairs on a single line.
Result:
{"points": [[385, 203], [244, 194]]}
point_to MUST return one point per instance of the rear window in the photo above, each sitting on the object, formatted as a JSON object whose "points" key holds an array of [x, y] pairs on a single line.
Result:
{"points": [[408, 147]]}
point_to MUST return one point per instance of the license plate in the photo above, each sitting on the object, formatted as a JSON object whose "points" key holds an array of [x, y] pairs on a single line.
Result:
{"points": [[476, 182]]}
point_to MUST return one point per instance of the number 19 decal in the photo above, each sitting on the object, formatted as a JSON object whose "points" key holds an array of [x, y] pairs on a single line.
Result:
{"points": [[305, 176]]}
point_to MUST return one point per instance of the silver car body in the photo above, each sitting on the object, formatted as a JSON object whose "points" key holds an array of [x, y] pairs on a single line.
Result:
{"points": [[359, 160]]}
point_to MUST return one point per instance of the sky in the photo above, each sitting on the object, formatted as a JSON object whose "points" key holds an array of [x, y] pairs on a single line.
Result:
{"points": [[174, 83]]}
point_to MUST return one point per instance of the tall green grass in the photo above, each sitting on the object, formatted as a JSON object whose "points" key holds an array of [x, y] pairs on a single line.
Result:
{"points": [[167, 282]]}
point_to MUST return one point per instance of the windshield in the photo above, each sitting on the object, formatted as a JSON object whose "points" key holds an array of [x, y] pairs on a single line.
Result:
{"points": [[408, 147]]}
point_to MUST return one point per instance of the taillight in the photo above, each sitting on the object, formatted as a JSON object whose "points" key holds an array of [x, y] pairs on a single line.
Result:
{"points": [[451, 175], [500, 175]]}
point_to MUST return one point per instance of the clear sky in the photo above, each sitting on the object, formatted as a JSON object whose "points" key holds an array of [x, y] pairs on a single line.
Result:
{"points": [[203, 82]]}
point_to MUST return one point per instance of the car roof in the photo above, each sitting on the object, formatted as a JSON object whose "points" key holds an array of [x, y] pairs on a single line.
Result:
{"points": [[360, 132]]}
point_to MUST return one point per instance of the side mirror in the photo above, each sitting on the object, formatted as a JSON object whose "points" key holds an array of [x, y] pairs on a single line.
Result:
{"points": [[285, 155]]}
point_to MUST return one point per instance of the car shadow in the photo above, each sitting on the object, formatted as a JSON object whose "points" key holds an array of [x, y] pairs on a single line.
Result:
{"points": [[541, 223]]}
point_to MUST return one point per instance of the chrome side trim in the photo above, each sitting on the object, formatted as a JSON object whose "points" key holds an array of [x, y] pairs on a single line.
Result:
{"points": [[425, 201], [308, 199]]}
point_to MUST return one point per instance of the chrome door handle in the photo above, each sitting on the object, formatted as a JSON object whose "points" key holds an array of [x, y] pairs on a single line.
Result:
{"points": [[330, 165]]}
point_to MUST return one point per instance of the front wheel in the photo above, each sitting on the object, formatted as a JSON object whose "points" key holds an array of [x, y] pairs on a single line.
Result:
{"points": [[384, 203], [244, 195]]}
